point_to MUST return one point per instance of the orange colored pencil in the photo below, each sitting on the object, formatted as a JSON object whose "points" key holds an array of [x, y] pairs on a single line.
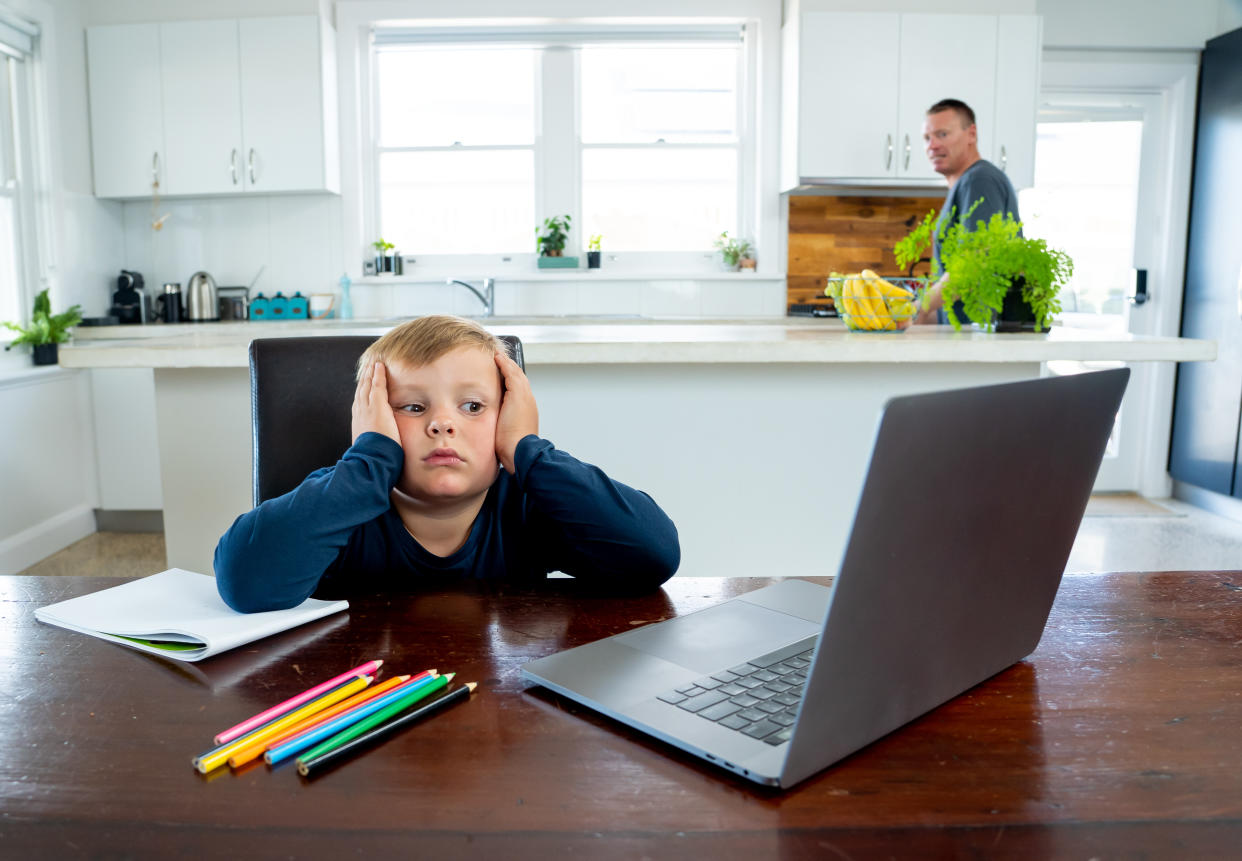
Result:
{"points": [[255, 749], [350, 705], [217, 757]]}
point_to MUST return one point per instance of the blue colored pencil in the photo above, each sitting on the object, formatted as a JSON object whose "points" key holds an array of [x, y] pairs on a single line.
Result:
{"points": [[332, 727]]}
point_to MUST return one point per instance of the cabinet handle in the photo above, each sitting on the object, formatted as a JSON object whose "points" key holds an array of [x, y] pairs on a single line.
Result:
{"points": [[1004, 160], [155, 168], [906, 166], [888, 158], [233, 165], [250, 164]]}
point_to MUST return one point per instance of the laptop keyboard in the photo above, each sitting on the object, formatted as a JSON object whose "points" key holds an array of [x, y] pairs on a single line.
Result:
{"points": [[758, 698]]}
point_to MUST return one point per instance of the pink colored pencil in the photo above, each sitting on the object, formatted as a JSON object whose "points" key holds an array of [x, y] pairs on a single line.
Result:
{"points": [[292, 703]]}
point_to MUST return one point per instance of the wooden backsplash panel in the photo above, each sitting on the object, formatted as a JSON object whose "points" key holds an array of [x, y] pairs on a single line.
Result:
{"points": [[847, 234]]}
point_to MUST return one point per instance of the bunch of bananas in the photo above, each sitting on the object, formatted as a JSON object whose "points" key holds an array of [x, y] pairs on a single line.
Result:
{"points": [[866, 301]]}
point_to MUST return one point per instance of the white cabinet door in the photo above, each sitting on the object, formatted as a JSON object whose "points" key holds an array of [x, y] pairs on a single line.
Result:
{"points": [[127, 127], [944, 57], [202, 106], [282, 103], [1017, 97], [125, 439], [848, 94]]}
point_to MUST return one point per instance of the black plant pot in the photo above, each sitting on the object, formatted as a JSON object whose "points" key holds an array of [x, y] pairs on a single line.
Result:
{"points": [[45, 354], [593, 259], [1015, 315]]}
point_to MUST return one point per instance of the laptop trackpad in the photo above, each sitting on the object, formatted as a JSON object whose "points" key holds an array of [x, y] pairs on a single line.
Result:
{"points": [[719, 637]]}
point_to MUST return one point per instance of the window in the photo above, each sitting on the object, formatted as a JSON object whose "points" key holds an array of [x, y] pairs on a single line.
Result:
{"points": [[636, 135], [456, 154], [19, 267], [659, 145]]}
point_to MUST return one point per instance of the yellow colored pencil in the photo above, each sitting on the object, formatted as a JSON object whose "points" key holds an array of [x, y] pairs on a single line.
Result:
{"points": [[256, 748], [214, 759]]}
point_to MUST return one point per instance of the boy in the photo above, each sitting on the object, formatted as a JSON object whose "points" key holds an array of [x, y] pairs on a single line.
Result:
{"points": [[420, 497]]}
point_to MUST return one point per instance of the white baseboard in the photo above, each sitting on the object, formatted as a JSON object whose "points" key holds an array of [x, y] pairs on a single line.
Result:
{"points": [[18, 552], [1225, 506]]}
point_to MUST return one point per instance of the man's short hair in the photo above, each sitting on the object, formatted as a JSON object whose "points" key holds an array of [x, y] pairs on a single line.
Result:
{"points": [[963, 110], [422, 340]]}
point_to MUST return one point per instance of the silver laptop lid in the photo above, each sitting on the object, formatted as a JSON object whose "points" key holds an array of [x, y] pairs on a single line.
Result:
{"points": [[963, 528]]}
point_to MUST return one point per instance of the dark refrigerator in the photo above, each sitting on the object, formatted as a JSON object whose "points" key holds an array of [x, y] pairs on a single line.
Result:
{"points": [[1207, 406]]}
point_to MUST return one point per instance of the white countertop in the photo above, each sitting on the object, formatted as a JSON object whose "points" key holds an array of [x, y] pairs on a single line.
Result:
{"points": [[593, 340]]}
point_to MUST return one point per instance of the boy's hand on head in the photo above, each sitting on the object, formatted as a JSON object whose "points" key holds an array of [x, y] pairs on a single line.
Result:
{"points": [[371, 411], [519, 415]]}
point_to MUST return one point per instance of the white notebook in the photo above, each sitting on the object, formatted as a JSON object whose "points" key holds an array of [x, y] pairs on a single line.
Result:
{"points": [[176, 614]]}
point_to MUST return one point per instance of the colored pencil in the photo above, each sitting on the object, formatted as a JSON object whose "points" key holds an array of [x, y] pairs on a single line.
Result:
{"points": [[374, 720], [306, 766], [215, 758], [398, 698], [212, 756], [255, 749], [344, 706], [293, 702]]}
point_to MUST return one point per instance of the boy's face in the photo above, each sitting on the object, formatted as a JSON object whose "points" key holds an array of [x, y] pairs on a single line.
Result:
{"points": [[446, 414]]}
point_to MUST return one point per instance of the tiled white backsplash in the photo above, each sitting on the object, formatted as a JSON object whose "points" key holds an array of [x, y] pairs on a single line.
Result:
{"points": [[296, 240]]}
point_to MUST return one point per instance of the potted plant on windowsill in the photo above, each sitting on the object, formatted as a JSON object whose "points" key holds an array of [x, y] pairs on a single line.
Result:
{"points": [[1003, 280], [550, 242], [732, 250], [593, 251], [46, 330], [385, 256]]}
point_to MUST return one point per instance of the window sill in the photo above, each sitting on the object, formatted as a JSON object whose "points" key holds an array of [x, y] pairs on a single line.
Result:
{"points": [[570, 275]]}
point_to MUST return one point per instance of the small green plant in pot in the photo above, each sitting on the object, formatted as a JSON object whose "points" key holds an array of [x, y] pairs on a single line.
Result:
{"points": [[1002, 279], [594, 251], [550, 241], [384, 256], [46, 330], [732, 250]]}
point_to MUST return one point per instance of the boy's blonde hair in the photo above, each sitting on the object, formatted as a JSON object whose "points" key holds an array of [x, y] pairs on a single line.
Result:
{"points": [[422, 340]]}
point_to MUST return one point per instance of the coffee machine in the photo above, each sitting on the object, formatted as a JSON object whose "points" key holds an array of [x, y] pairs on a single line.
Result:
{"points": [[130, 304]]}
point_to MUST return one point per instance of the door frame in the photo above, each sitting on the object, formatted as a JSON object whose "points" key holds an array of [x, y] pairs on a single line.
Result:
{"points": [[1163, 212]]}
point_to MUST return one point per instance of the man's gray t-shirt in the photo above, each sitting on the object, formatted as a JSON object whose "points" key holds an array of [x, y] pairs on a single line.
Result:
{"points": [[981, 180]]}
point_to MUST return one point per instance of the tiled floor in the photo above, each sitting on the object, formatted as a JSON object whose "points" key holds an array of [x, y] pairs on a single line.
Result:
{"points": [[1187, 539], [1116, 535]]}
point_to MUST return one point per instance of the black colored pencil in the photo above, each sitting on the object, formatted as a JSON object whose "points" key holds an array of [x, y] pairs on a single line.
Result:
{"points": [[307, 767]]}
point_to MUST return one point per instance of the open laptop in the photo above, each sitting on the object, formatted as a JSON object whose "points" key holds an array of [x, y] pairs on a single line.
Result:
{"points": [[965, 522]]}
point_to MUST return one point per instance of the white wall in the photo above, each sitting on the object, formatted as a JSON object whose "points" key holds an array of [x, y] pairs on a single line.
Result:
{"points": [[47, 455]]}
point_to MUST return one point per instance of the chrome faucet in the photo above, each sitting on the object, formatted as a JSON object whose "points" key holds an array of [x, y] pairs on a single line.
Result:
{"points": [[487, 297]]}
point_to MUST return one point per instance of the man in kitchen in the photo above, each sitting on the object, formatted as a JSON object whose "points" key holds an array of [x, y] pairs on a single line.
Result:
{"points": [[952, 143]]}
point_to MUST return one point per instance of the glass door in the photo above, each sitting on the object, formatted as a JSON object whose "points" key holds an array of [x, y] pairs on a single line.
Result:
{"points": [[1095, 163]]}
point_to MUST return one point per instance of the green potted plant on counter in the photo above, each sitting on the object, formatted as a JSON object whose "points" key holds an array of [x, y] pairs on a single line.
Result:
{"points": [[550, 242], [1002, 279], [732, 250], [593, 251], [46, 330]]}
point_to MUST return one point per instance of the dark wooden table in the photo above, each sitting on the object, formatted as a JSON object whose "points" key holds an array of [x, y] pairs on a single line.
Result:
{"points": [[1120, 737]]}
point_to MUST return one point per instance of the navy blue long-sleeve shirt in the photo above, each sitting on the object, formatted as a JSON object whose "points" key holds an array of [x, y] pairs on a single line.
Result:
{"points": [[337, 533]]}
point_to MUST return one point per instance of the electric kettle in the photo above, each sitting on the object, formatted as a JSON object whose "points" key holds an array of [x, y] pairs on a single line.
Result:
{"points": [[201, 298]]}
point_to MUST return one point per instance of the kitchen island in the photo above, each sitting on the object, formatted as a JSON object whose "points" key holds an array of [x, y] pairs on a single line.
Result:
{"points": [[754, 436]]}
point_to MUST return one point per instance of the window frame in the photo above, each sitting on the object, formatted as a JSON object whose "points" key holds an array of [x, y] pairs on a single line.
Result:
{"points": [[558, 169], [22, 174]]}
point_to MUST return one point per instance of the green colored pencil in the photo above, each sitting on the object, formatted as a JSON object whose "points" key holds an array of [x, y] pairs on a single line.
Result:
{"points": [[352, 732], [438, 704]]}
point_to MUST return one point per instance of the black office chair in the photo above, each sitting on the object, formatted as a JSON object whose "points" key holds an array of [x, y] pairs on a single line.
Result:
{"points": [[300, 395]]}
